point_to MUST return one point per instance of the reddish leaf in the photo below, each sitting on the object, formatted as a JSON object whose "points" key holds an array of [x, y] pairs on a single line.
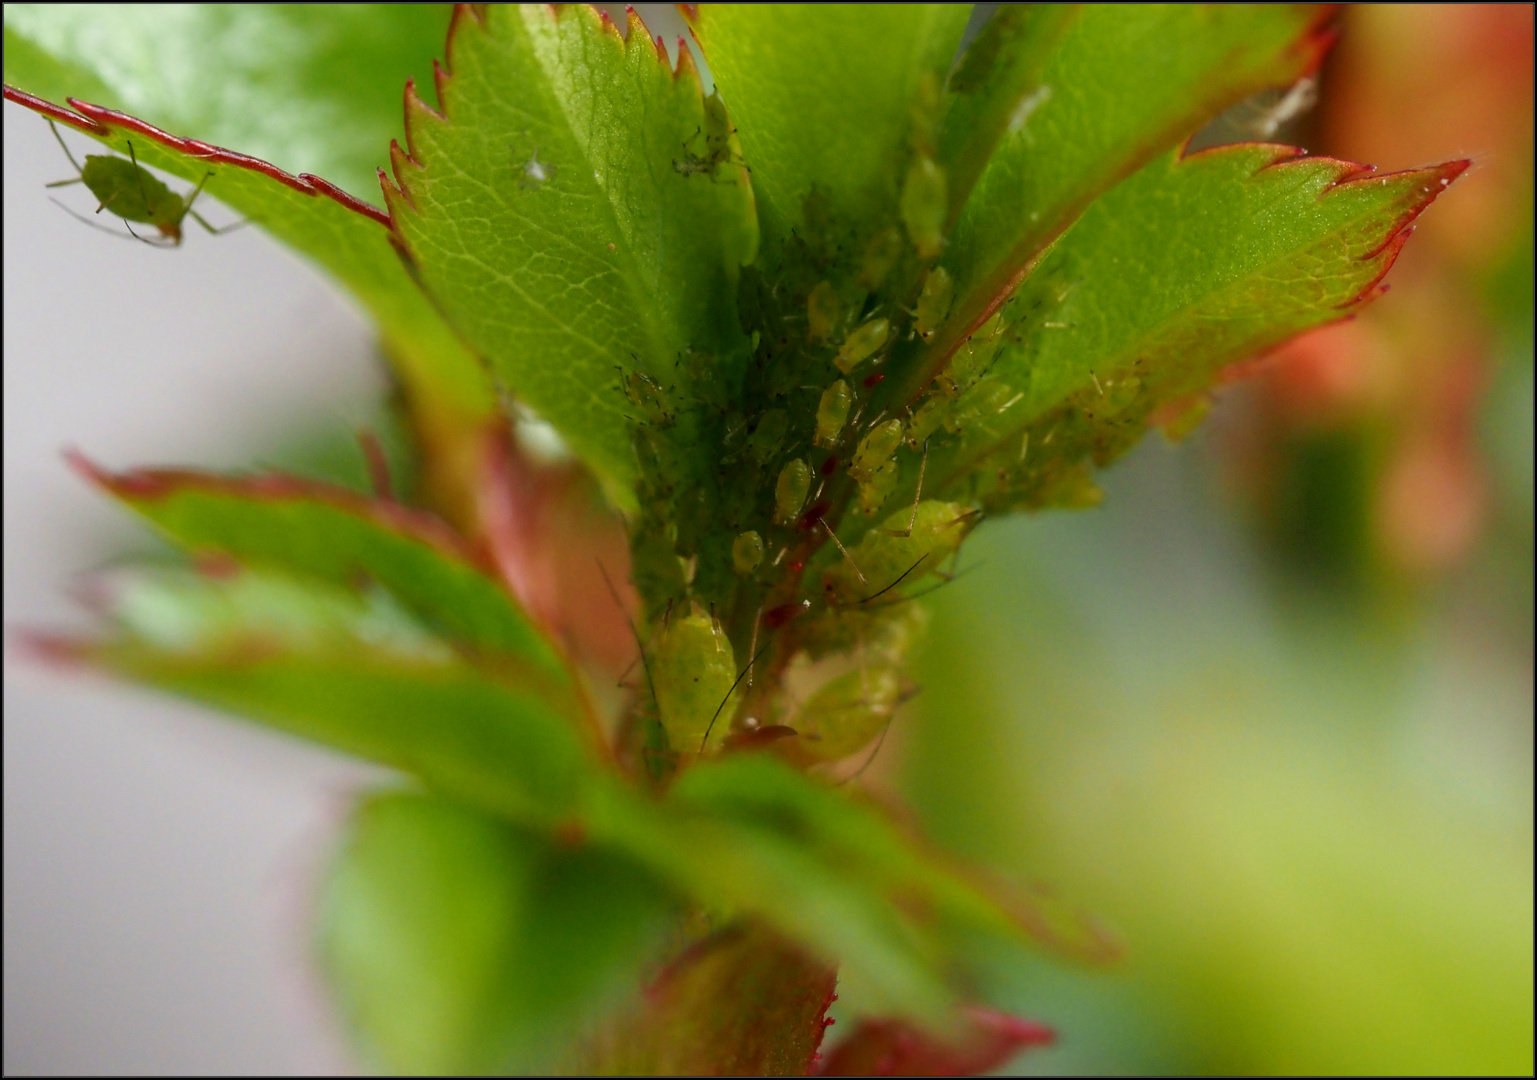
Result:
{"points": [[985, 1040]]}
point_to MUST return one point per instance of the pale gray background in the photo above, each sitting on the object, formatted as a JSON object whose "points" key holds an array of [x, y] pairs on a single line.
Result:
{"points": [[160, 862]]}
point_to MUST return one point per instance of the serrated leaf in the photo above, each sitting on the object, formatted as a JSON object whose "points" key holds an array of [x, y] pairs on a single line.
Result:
{"points": [[352, 672], [823, 96], [742, 1002], [551, 213], [1122, 84], [336, 535], [458, 944], [1192, 264]]}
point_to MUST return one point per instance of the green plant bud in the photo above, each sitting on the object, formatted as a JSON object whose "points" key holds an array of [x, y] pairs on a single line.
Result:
{"points": [[823, 310], [767, 436], [924, 204], [882, 254], [934, 301], [790, 491], [884, 555], [832, 412], [875, 449], [692, 670], [926, 420], [874, 492], [747, 552], [846, 713], [862, 344]]}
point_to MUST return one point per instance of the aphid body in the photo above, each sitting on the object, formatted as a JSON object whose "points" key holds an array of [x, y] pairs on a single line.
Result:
{"points": [[693, 671], [884, 555], [846, 713]]}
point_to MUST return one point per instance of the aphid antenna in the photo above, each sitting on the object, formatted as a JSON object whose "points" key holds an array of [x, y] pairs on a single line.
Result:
{"points": [[918, 495], [897, 582], [67, 154], [753, 645], [857, 773], [845, 551], [646, 667], [740, 676]]}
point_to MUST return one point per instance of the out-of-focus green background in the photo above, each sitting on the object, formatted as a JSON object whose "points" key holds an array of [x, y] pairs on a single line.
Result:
{"points": [[1268, 712]]}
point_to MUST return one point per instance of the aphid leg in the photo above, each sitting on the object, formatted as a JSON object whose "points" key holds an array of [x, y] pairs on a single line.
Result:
{"points": [[138, 175], [845, 551], [99, 228], [72, 161], [753, 646], [650, 684], [917, 495], [209, 229]]}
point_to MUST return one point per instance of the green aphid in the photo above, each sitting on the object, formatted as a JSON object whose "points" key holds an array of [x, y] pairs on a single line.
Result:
{"points": [[790, 491], [823, 311], [767, 436], [746, 552], [908, 545], [130, 191], [1071, 489], [925, 201], [987, 398], [832, 413], [845, 714], [647, 395], [693, 671], [862, 344], [882, 254], [874, 492], [875, 449], [926, 420], [972, 358], [934, 301], [1118, 394]]}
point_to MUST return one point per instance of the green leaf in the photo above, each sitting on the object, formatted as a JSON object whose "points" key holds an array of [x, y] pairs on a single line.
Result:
{"points": [[336, 535], [1191, 265], [742, 1002], [352, 672], [1123, 83], [312, 88], [997, 74], [458, 944], [824, 95], [551, 213]]}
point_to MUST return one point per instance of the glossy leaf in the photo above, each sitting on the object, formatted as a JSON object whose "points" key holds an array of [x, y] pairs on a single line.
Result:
{"points": [[352, 672], [823, 96], [1191, 265], [551, 212], [335, 535], [457, 943], [1122, 84], [308, 89]]}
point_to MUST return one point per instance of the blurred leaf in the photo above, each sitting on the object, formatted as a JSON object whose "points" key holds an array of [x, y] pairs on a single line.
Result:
{"points": [[336, 535], [1122, 84], [352, 672], [743, 1002], [823, 96], [1190, 265], [547, 214], [985, 1041], [459, 944]]}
